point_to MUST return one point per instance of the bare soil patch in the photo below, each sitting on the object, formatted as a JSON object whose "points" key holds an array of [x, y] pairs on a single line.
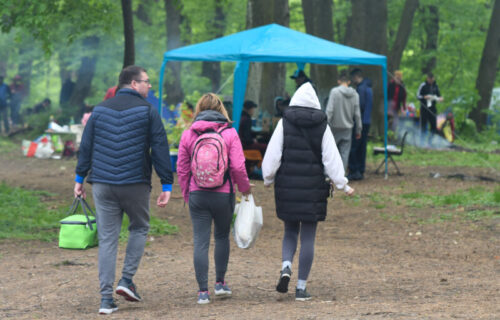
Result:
{"points": [[367, 265]]}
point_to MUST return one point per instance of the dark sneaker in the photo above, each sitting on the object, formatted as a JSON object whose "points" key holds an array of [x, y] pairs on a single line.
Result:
{"points": [[128, 290], [355, 176], [203, 297], [108, 306], [285, 275], [222, 290], [302, 295]]}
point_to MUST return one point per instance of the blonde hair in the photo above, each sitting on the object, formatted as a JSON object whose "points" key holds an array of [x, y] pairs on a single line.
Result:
{"points": [[398, 73], [210, 101]]}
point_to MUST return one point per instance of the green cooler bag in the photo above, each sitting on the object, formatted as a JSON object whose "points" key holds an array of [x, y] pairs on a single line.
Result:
{"points": [[78, 231]]}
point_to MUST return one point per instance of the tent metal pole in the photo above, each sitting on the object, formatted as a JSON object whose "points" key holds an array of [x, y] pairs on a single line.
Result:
{"points": [[160, 89], [239, 88]]}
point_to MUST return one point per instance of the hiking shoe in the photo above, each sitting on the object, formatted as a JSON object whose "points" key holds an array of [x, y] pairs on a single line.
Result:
{"points": [[302, 295], [285, 275], [128, 290], [203, 297], [221, 289], [108, 306]]}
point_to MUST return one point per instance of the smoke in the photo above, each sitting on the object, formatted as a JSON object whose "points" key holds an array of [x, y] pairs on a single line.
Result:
{"points": [[420, 139]]}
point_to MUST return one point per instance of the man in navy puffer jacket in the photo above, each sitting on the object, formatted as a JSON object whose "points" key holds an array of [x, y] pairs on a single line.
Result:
{"points": [[122, 139]]}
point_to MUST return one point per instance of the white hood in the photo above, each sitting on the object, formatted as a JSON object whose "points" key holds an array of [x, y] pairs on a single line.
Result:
{"points": [[305, 96]]}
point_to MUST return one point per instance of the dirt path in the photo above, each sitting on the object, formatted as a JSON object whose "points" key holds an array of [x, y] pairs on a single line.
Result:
{"points": [[367, 265]]}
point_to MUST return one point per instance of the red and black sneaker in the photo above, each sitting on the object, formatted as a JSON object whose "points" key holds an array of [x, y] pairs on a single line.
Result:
{"points": [[128, 290]]}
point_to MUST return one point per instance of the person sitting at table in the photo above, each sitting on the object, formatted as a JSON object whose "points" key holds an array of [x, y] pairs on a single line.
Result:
{"points": [[247, 136]]}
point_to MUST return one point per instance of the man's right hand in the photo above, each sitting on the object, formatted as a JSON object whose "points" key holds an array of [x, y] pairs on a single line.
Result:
{"points": [[163, 199], [79, 190]]}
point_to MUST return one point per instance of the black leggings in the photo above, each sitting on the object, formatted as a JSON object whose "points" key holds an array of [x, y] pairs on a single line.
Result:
{"points": [[205, 207], [307, 236]]}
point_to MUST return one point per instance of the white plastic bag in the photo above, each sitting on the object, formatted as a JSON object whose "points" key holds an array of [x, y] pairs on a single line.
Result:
{"points": [[248, 222], [44, 150]]}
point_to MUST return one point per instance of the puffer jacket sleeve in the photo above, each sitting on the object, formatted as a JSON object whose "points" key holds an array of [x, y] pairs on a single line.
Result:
{"points": [[184, 164], [85, 151], [237, 161], [160, 152]]}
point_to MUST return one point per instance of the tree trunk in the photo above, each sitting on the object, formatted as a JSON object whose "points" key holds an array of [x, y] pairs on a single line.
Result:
{"points": [[4, 61], [173, 87], [274, 74], [266, 80], [64, 72], [404, 31], [431, 26], [256, 16], [319, 22], [128, 33], [211, 70], [367, 31], [142, 11], [25, 68], [488, 68], [85, 76]]}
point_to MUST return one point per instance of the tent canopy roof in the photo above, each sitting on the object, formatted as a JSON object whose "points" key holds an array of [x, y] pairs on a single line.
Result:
{"points": [[274, 43]]}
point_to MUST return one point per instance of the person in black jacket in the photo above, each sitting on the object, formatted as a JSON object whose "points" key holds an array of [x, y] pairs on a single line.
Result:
{"points": [[123, 137], [247, 136], [301, 152], [428, 93]]}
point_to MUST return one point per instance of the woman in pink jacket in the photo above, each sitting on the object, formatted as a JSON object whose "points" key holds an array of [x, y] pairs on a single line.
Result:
{"points": [[216, 203]]}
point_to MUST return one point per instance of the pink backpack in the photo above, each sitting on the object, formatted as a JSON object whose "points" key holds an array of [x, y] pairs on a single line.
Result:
{"points": [[209, 161]]}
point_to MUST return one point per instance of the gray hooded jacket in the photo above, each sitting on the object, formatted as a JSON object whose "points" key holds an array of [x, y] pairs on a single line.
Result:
{"points": [[343, 108]]}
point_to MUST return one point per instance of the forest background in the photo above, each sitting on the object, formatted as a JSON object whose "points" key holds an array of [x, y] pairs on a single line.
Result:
{"points": [[47, 42]]}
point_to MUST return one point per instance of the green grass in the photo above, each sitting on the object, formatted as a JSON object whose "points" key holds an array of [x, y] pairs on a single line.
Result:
{"points": [[24, 216], [30, 215], [413, 156], [158, 227], [7, 145], [471, 204]]}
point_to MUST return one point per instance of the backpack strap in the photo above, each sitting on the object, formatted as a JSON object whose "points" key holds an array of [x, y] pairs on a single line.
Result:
{"points": [[231, 190]]}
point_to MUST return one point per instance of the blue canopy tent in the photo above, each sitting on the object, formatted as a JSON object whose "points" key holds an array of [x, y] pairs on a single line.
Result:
{"points": [[273, 43]]}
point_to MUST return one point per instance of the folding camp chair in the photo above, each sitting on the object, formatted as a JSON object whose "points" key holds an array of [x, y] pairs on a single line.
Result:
{"points": [[394, 151]]}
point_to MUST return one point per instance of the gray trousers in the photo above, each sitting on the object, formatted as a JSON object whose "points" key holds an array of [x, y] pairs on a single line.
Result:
{"points": [[343, 139], [307, 232], [205, 206], [111, 202]]}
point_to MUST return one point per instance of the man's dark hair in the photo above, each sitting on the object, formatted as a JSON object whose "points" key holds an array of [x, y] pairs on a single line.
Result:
{"points": [[356, 72], [249, 104], [47, 100], [128, 74], [430, 75], [343, 76]]}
